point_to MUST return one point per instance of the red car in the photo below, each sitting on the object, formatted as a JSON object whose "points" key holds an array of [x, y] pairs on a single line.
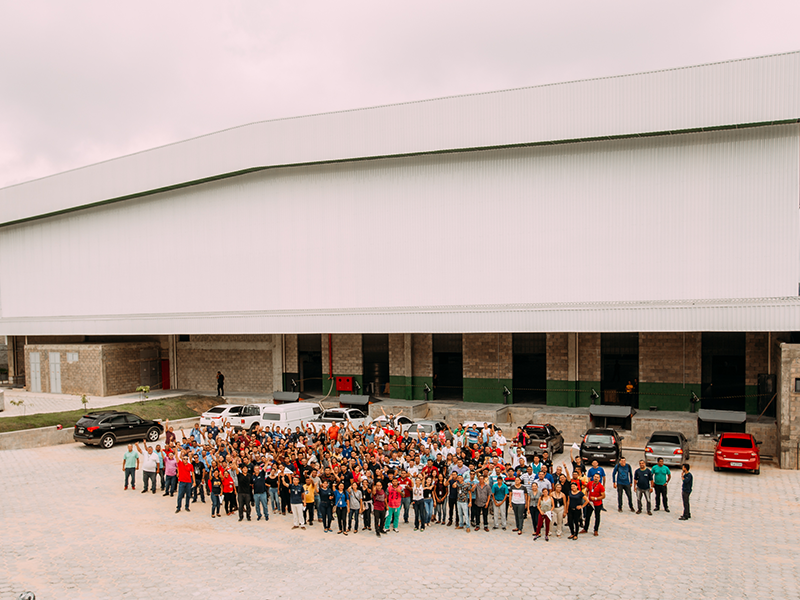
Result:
{"points": [[737, 451]]}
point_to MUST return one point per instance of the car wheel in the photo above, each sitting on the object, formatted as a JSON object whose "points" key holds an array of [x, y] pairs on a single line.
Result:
{"points": [[757, 471], [153, 434], [716, 468], [107, 441]]}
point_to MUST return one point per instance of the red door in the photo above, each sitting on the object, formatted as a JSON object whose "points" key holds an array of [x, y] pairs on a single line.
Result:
{"points": [[165, 374]]}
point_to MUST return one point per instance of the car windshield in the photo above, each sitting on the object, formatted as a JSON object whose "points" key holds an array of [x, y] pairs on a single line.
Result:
{"points": [[538, 432], [426, 427], [665, 439], [83, 421], [596, 438], [217, 409], [271, 417], [733, 442]]}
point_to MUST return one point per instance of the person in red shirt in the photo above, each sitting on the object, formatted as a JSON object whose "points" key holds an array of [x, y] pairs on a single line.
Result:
{"points": [[333, 432], [185, 481], [393, 498], [596, 493], [229, 489], [404, 484]]}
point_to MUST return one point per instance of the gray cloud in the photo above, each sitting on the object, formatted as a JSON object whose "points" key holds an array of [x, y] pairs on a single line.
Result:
{"points": [[85, 81]]}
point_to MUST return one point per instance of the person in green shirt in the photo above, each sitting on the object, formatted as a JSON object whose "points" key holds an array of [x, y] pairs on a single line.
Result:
{"points": [[130, 462], [661, 477]]}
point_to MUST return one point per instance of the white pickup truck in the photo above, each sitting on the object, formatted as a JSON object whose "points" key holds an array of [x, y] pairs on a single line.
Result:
{"points": [[340, 416]]}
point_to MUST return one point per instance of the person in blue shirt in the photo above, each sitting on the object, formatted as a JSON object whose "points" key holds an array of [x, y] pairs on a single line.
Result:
{"points": [[622, 477], [500, 508], [340, 501]]}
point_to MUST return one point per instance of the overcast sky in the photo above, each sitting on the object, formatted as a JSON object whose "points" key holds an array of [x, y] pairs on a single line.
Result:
{"points": [[84, 81]]}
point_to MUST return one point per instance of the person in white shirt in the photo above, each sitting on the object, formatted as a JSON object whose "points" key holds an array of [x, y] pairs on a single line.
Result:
{"points": [[149, 467]]}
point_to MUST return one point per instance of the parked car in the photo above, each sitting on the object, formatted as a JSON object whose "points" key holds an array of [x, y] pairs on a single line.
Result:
{"points": [[340, 416], [602, 445], [672, 446], [737, 451], [541, 439], [216, 415], [429, 427], [106, 428]]}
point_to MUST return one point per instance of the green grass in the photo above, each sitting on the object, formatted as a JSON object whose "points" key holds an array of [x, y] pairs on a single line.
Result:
{"points": [[168, 408]]}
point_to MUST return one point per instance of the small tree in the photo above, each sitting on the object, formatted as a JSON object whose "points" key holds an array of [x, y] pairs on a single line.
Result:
{"points": [[84, 401], [20, 402], [144, 391]]}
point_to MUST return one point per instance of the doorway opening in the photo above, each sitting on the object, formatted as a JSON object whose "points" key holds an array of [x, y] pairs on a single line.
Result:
{"points": [[448, 366], [309, 362], [620, 368], [375, 349], [530, 368], [723, 379]]}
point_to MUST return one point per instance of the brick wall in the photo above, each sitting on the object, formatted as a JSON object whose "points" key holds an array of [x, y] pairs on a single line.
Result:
{"points": [[557, 356], [397, 355], [348, 358], [661, 357], [3, 353], [122, 364], [81, 377], [589, 357], [245, 370], [101, 369], [756, 356], [422, 354], [487, 355], [290, 345], [788, 409]]}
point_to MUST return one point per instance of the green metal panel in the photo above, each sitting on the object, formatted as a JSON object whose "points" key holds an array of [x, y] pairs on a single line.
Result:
{"points": [[667, 396], [485, 390]]}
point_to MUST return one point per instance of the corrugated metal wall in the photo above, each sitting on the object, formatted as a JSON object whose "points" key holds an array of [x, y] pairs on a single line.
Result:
{"points": [[695, 216], [759, 90]]}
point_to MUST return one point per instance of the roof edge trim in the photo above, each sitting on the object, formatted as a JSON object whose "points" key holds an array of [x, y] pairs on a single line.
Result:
{"points": [[247, 171]]}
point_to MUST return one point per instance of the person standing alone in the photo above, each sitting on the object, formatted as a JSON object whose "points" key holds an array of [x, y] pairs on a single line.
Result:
{"points": [[686, 489], [220, 384]]}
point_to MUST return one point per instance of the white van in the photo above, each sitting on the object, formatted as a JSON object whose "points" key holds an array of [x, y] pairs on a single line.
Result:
{"points": [[288, 415]]}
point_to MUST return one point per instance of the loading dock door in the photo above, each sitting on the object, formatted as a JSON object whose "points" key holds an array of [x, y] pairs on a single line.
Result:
{"points": [[448, 366]]}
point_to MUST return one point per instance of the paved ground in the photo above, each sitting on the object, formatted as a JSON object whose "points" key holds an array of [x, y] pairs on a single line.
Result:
{"points": [[35, 403], [68, 530]]}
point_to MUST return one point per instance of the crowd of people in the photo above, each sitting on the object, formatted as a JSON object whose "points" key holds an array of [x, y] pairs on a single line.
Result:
{"points": [[369, 478]]}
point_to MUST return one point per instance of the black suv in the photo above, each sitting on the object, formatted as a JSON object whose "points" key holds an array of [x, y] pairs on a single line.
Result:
{"points": [[602, 445], [109, 427]]}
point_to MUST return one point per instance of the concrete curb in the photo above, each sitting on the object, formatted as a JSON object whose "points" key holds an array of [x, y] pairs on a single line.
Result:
{"points": [[51, 436]]}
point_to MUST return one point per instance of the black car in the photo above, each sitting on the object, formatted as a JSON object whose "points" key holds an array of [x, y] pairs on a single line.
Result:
{"points": [[602, 445], [542, 438], [106, 428]]}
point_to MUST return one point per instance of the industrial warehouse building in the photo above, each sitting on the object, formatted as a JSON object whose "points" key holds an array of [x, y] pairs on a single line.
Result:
{"points": [[629, 242]]}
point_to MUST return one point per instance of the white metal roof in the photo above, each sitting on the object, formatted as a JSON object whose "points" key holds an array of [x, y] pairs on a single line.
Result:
{"points": [[757, 314], [736, 93]]}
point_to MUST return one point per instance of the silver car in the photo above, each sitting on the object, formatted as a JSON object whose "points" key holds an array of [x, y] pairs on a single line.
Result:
{"points": [[672, 446], [431, 428]]}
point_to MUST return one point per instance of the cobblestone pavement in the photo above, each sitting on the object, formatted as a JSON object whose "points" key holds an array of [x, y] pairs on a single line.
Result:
{"points": [[70, 531]]}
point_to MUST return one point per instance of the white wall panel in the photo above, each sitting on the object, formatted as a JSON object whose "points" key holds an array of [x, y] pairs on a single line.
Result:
{"points": [[690, 217], [758, 90]]}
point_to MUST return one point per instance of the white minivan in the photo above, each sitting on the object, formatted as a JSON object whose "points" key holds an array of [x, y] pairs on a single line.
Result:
{"points": [[288, 415]]}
